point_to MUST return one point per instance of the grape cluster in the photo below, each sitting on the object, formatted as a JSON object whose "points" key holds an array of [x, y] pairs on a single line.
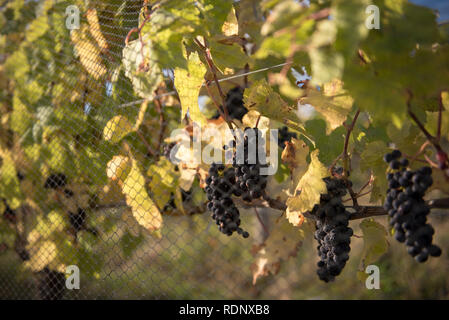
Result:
{"points": [[55, 180], [284, 135], [9, 214], [250, 184], [407, 209], [78, 221], [220, 185], [332, 231], [51, 284], [234, 104]]}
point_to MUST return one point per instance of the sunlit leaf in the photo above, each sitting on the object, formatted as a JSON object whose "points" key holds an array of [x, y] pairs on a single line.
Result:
{"points": [[309, 190], [117, 128], [188, 84], [143, 208]]}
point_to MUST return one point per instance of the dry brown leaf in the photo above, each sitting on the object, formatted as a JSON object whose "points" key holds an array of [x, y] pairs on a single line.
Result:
{"points": [[283, 243]]}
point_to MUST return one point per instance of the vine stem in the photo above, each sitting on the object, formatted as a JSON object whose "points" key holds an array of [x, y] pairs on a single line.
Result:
{"points": [[433, 140], [162, 122], [344, 154], [349, 130], [361, 212], [220, 111], [213, 70], [264, 227]]}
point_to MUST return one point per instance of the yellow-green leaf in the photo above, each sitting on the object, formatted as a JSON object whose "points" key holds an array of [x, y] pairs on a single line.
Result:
{"points": [[310, 188], [118, 168], [188, 84], [89, 54], [116, 129], [44, 255], [295, 155], [375, 242], [163, 181], [141, 67], [143, 208], [372, 159], [331, 101], [261, 97], [9, 183]]}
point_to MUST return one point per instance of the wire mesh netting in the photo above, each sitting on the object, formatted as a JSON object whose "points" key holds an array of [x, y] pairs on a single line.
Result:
{"points": [[87, 105]]}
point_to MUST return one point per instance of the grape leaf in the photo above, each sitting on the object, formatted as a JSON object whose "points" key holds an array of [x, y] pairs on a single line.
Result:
{"points": [[188, 84], [230, 26], [283, 242], [41, 255], [331, 101], [310, 187], [326, 64], [116, 129], [261, 97], [130, 243], [350, 20], [295, 155], [375, 243], [250, 19], [118, 168], [141, 67], [143, 208], [95, 30], [372, 159], [9, 183], [89, 54], [21, 119], [164, 180], [37, 28], [227, 55], [215, 14], [407, 138]]}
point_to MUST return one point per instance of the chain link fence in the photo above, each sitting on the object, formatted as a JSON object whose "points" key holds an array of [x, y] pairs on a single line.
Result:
{"points": [[67, 230]]}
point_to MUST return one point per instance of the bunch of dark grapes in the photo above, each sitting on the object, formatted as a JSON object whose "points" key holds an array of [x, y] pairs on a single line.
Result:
{"points": [[407, 209], [55, 181], [51, 284], [9, 214], [243, 179], [219, 189], [284, 135], [234, 104], [78, 221], [332, 231], [250, 183]]}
